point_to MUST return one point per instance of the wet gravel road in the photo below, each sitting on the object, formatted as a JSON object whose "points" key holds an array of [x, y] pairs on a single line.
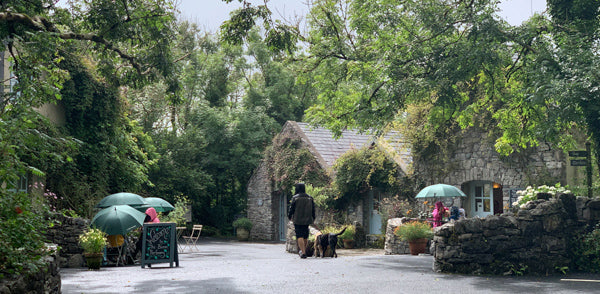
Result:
{"points": [[223, 266]]}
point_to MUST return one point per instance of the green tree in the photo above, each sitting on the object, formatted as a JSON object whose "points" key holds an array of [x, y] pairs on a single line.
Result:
{"points": [[526, 84], [80, 57], [209, 139], [372, 58], [275, 85]]}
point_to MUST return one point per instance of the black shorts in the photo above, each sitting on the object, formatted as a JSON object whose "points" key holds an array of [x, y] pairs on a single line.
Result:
{"points": [[301, 231]]}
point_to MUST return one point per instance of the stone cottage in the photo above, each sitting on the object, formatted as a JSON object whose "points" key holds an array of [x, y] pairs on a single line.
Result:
{"points": [[267, 207], [490, 180]]}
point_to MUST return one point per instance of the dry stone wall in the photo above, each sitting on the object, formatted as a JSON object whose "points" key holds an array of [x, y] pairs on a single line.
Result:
{"points": [[393, 244], [46, 279], [532, 240], [65, 233]]}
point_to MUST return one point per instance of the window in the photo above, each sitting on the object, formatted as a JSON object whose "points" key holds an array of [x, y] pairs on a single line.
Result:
{"points": [[19, 185]]}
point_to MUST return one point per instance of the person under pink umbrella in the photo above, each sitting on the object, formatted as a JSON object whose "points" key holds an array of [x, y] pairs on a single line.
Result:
{"points": [[151, 216]]}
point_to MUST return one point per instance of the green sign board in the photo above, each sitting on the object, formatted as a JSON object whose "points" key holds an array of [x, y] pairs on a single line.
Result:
{"points": [[578, 162], [580, 153], [159, 244]]}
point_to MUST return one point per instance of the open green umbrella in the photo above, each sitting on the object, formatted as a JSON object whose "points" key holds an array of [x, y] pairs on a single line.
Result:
{"points": [[118, 219], [159, 204], [123, 198], [439, 191]]}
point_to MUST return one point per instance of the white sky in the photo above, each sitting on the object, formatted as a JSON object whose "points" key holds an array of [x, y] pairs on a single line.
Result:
{"points": [[209, 14]]}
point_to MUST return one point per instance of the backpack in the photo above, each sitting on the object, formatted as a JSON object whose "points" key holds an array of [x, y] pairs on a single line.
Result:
{"points": [[454, 213]]}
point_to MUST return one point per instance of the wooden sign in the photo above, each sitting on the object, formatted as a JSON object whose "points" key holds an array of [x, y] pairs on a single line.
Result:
{"points": [[578, 162], [579, 153], [159, 244]]}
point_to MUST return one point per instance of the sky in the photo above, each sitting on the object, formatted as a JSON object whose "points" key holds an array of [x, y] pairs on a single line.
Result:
{"points": [[209, 14]]}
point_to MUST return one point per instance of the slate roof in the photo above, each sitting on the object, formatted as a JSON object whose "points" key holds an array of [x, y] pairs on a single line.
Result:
{"points": [[323, 143]]}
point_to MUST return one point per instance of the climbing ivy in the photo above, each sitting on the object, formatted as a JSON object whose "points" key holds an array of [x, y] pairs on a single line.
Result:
{"points": [[113, 155], [289, 162], [360, 170]]}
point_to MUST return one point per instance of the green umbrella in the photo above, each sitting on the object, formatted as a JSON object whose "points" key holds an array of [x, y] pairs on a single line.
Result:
{"points": [[159, 204], [440, 190], [118, 219], [120, 199]]}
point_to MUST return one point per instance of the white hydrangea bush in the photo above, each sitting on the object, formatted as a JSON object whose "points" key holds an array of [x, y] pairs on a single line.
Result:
{"points": [[530, 193]]}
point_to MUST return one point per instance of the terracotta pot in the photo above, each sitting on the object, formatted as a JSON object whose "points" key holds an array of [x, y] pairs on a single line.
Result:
{"points": [[417, 246], [93, 260], [348, 243], [242, 234]]}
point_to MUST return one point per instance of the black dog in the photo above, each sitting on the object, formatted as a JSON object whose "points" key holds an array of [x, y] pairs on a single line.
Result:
{"points": [[322, 242]]}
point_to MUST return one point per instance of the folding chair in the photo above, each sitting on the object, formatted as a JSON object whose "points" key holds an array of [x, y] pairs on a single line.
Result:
{"points": [[115, 247], [192, 239]]}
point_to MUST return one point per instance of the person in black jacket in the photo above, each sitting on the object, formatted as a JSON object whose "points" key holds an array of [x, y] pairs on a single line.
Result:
{"points": [[302, 214]]}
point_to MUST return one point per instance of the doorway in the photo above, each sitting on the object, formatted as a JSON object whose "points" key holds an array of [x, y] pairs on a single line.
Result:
{"points": [[482, 200], [283, 220], [374, 215], [498, 199]]}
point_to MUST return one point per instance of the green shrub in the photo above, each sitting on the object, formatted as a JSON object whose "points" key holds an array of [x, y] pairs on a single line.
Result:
{"points": [[321, 196], [414, 230], [586, 251], [177, 215], [210, 231], [22, 224], [380, 243], [348, 233], [330, 229], [243, 223]]}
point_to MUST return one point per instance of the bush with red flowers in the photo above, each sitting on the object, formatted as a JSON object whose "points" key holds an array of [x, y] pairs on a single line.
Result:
{"points": [[21, 226]]}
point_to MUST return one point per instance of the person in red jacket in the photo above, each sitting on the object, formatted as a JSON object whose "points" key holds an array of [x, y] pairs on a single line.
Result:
{"points": [[438, 213], [302, 214]]}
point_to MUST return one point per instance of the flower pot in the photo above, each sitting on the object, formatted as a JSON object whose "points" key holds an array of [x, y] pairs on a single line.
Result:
{"points": [[417, 246], [348, 243], [93, 260], [242, 234]]}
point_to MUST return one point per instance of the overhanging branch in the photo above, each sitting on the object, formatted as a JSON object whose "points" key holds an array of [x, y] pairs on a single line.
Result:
{"points": [[41, 24]]}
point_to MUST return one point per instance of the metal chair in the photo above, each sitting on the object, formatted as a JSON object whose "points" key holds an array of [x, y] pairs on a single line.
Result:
{"points": [[192, 239]]}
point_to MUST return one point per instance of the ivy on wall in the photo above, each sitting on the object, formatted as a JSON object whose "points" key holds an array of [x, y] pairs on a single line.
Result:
{"points": [[113, 153], [360, 170], [289, 162]]}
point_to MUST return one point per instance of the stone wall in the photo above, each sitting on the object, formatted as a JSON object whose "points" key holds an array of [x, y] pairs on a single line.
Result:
{"points": [[393, 244], [534, 240], [474, 158], [65, 233], [260, 205], [45, 280]]}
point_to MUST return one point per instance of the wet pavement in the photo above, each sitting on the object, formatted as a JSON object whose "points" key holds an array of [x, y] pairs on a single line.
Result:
{"points": [[228, 266]]}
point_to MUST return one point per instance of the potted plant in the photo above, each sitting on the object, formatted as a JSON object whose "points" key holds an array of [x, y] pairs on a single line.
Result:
{"points": [[347, 237], [416, 233], [93, 242], [242, 227]]}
